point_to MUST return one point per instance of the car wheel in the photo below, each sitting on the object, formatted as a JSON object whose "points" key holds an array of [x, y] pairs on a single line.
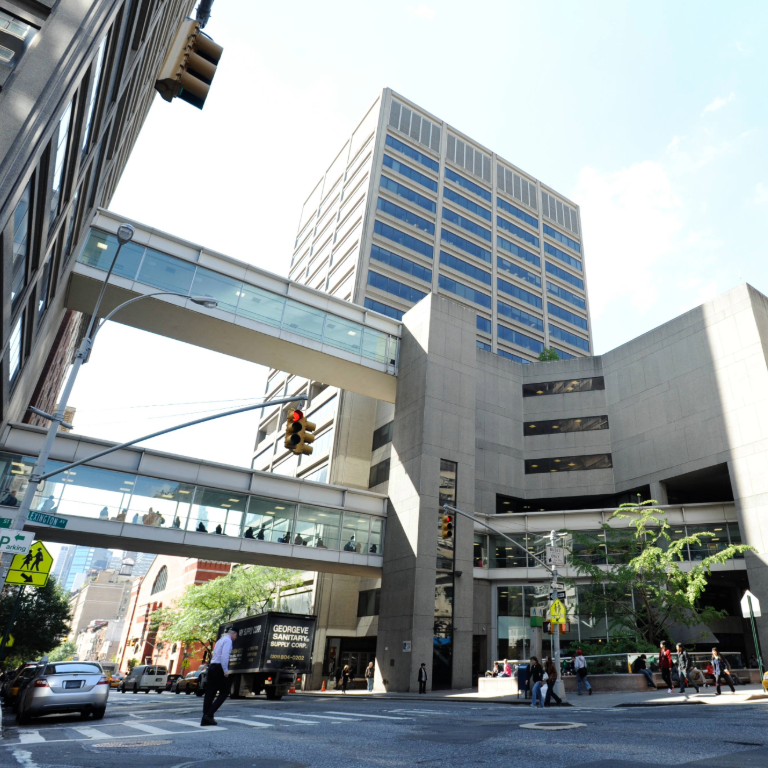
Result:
{"points": [[187, 691], [198, 692], [23, 718], [99, 712], [177, 691]]}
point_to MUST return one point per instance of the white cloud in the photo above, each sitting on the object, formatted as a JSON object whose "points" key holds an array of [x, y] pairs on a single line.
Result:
{"points": [[422, 11], [719, 103], [761, 194], [703, 240], [740, 47], [689, 154]]}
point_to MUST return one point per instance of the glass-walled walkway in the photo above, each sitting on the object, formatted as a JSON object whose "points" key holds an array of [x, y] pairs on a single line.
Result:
{"points": [[101, 494]]}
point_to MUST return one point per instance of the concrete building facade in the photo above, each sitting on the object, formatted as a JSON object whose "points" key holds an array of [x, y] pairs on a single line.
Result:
{"points": [[104, 598]]}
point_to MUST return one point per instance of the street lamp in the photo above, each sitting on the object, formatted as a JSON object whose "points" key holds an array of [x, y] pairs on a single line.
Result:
{"points": [[125, 234]]}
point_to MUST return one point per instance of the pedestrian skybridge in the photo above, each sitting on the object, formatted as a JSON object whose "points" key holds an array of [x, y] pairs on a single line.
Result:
{"points": [[260, 316], [147, 501]]}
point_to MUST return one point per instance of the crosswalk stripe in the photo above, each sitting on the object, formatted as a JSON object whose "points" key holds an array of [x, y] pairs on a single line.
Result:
{"points": [[146, 728], [30, 737], [197, 726], [255, 724], [287, 719], [91, 733], [378, 717], [336, 719]]}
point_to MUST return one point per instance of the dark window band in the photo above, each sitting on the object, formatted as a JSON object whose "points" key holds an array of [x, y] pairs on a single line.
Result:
{"points": [[563, 387], [568, 464], [557, 426]]}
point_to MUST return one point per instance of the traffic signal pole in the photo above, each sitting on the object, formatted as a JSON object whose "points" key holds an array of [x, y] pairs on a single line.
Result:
{"points": [[553, 584]]}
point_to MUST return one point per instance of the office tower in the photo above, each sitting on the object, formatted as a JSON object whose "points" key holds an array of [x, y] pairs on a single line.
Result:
{"points": [[77, 560]]}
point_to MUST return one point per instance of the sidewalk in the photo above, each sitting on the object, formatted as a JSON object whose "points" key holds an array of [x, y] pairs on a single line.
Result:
{"points": [[746, 694]]}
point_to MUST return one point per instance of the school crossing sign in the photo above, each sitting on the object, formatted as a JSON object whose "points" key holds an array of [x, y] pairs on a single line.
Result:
{"points": [[32, 569]]}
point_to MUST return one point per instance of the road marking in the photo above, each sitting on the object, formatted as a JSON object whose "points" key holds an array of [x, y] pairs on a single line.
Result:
{"points": [[288, 719], [335, 718], [24, 758], [91, 733], [196, 725], [146, 728], [30, 737], [378, 717], [246, 722]]}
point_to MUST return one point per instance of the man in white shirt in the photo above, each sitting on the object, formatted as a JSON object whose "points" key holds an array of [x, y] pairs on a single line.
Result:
{"points": [[216, 680]]}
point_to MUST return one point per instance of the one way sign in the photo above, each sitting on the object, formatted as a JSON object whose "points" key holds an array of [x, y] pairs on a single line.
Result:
{"points": [[15, 542]]}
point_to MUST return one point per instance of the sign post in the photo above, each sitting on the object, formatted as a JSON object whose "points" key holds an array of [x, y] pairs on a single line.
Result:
{"points": [[750, 607]]}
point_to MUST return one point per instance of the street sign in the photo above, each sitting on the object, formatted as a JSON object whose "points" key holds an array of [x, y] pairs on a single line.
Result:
{"points": [[5, 522], [557, 612], [406, 646], [32, 569], [561, 594], [555, 556], [745, 605], [15, 542], [10, 641], [43, 519]]}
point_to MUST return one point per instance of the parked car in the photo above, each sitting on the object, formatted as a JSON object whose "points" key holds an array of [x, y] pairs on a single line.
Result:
{"points": [[189, 683], [170, 681], [65, 686], [23, 675], [145, 677]]}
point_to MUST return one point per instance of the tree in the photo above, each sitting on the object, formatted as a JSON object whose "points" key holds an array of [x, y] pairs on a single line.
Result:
{"points": [[548, 354], [197, 615], [42, 620], [643, 590], [63, 651]]}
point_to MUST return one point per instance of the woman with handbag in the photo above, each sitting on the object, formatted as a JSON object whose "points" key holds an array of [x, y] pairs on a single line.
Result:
{"points": [[580, 666], [551, 671]]}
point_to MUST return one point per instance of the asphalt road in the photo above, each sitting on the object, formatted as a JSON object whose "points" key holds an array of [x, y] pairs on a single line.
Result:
{"points": [[150, 731]]}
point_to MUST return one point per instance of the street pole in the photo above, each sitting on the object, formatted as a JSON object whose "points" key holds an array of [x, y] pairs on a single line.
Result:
{"points": [[757, 644], [556, 627]]}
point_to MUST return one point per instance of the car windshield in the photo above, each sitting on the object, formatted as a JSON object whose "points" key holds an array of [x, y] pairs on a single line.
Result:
{"points": [[193, 674], [29, 671], [73, 668]]}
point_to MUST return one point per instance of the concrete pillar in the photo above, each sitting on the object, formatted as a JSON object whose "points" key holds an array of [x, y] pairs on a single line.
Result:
{"points": [[659, 492], [434, 420]]}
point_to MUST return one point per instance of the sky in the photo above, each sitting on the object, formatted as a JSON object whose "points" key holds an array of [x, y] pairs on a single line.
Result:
{"points": [[651, 116]]}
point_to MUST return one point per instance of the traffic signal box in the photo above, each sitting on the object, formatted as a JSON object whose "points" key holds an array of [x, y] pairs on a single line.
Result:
{"points": [[447, 526], [298, 433], [190, 65]]}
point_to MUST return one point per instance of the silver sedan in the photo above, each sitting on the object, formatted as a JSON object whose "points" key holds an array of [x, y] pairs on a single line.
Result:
{"points": [[65, 686]]}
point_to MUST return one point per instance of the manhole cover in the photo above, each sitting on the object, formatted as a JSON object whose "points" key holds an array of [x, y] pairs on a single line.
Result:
{"points": [[552, 726], [145, 743]]}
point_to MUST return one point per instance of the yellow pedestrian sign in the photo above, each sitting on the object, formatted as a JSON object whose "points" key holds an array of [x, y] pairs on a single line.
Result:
{"points": [[10, 641], [32, 569], [557, 613]]}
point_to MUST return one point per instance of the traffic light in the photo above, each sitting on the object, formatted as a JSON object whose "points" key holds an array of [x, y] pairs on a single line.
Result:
{"points": [[298, 433], [190, 65], [447, 526]]}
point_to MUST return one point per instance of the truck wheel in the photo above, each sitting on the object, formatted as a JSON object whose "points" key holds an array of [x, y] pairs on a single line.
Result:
{"points": [[272, 693]]}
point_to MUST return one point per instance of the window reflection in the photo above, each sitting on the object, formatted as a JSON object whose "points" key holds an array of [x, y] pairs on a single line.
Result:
{"points": [[354, 536], [159, 503], [269, 520], [564, 387]]}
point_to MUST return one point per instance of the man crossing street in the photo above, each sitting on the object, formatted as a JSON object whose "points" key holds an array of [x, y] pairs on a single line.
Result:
{"points": [[216, 681]]}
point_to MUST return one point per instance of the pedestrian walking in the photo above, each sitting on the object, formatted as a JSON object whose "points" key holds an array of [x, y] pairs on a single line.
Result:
{"points": [[683, 665], [422, 678], [216, 680], [345, 678], [551, 670], [370, 671], [722, 670], [639, 667], [535, 680], [665, 664], [580, 667]]}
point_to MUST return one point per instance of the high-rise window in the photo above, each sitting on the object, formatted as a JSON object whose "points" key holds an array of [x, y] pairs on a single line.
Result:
{"points": [[98, 64], [15, 38], [21, 220], [14, 349], [60, 157]]}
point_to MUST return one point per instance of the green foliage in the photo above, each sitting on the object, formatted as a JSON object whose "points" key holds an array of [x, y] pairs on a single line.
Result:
{"points": [[132, 663], [197, 615], [62, 652], [644, 561], [42, 619], [548, 355]]}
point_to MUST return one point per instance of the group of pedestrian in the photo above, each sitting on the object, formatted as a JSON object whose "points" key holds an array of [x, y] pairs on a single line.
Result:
{"points": [[718, 669], [540, 675]]}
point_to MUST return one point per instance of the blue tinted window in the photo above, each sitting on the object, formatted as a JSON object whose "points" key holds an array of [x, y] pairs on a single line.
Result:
{"points": [[483, 324], [467, 184], [518, 293], [571, 338], [483, 345], [470, 226], [384, 309], [521, 317], [563, 275], [396, 236], [513, 269], [408, 194], [562, 255], [562, 238], [564, 314], [515, 211], [564, 355], [465, 267], [392, 286], [403, 264], [465, 245], [412, 153], [516, 250], [405, 216], [520, 339], [510, 356], [404, 170], [464, 202], [561, 293], [513, 229], [464, 291]]}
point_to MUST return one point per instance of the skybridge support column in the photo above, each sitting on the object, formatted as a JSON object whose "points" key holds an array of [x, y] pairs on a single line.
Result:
{"points": [[426, 591]]}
